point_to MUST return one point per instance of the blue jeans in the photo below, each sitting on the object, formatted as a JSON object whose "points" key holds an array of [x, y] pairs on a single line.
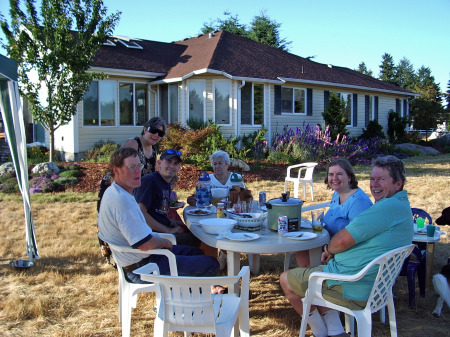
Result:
{"points": [[190, 262]]}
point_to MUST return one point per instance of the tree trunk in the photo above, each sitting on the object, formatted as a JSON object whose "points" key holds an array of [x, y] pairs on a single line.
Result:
{"points": [[52, 143]]}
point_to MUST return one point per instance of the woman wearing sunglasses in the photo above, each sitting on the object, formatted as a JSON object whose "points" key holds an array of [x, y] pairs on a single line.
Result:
{"points": [[153, 131]]}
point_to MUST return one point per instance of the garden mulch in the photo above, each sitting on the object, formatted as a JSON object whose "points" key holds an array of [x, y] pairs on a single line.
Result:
{"points": [[188, 175]]}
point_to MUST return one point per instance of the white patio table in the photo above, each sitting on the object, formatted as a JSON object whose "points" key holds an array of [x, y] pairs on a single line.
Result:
{"points": [[270, 244]]}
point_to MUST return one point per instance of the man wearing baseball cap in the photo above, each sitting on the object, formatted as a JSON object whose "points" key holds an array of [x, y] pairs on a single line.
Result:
{"points": [[153, 197]]}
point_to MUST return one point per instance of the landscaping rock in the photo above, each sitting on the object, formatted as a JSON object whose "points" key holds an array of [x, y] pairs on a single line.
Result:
{"points": [[6, 168], [415, 147], [47, 168], [239, 164]]}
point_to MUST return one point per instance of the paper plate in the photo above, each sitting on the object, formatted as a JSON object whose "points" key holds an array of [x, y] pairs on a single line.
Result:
{"points": [[300, 235], [199, 212], [242, 236]]}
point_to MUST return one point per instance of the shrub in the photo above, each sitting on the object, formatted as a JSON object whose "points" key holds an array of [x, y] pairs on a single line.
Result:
{"points": [[101, 151], [37, 154], [9, 184], [67, 181], [441, 144], [374, 130], [334, 116], [396, 127], [45, 184], [71, 173]]}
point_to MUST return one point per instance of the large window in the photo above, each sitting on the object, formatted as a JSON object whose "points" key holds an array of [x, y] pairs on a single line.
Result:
{"points": [[168, 102], [132, 111], [293, 100], [196, 100], [222, 106], [101, 101], [252, 104]]}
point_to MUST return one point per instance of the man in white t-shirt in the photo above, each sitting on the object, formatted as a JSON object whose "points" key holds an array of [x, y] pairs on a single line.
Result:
{"points": [[121, 222]]}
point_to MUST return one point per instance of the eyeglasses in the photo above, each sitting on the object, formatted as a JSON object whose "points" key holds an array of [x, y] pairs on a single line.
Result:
{"points": [[134, 167], [155, 131], [173, 151]]}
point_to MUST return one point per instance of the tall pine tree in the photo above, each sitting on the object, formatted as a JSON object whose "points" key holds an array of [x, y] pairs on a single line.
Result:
{"points": [[387, 69]]}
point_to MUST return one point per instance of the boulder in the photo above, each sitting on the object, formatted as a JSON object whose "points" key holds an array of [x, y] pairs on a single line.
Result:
{"points": [[415, 147], [47, 168], [6, 168], [239, 164]]}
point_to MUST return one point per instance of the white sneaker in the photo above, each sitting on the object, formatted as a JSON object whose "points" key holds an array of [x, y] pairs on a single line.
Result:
{"points": [[222, 260]]}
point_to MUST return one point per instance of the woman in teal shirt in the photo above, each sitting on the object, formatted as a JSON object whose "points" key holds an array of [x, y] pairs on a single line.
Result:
{"points": [[347, 202]]}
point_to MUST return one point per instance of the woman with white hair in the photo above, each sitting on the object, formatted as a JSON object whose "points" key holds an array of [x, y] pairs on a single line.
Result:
{"points": [[220, 161]]}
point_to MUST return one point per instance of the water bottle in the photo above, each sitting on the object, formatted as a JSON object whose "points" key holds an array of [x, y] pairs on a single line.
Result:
{"points": [[203, 190]]}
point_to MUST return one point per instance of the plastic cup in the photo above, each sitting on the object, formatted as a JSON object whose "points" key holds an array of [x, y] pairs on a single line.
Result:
{"points": [[430, 230], [316, 219], [420, 222]]}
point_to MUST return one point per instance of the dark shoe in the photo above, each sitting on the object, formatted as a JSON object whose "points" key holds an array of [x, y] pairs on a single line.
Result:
{"points": [[344, 334]]}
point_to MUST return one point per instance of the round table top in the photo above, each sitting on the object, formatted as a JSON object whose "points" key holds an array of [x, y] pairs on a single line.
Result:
{"points": [[270, 244]]}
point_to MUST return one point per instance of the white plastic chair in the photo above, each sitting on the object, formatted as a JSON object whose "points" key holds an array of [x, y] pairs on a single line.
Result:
{"points": [[307, 169], [128, 291], [186, 304], [389, 264]]}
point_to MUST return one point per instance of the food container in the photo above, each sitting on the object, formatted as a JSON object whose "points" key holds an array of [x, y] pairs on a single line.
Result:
{"points": [[255, 220], [290, 207], [217, 225]]}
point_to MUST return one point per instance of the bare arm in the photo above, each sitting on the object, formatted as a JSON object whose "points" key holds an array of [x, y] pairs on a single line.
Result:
{"points": [[157, 226], [341, 242], [156, 243]]}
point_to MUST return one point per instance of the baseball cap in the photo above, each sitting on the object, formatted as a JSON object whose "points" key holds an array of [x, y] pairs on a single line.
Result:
{"points": [[170, 153]]}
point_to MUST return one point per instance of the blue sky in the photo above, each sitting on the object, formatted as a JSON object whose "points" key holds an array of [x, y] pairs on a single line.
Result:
{"points": [[343, 33]]}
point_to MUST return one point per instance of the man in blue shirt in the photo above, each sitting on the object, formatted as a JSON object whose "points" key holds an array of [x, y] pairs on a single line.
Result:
{"points": [[153, 197], [387, 225]]}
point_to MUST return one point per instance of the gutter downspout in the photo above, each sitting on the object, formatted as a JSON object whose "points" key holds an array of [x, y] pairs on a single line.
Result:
{"points": [[238, 114]]}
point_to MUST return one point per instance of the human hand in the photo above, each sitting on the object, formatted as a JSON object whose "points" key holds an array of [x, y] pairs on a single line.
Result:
{"points": [[326, 257], [176, 230]]}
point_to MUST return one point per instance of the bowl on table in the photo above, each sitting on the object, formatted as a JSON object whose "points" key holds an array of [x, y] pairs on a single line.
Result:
{"points": [[217, 225], [249, 219]]}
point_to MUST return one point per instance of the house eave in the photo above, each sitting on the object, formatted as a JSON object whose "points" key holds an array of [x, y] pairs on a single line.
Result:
{"points": [[127, 73], [341, 85]]}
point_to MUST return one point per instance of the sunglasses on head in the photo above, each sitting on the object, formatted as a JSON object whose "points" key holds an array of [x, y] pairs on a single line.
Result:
{"points": [[172, 151], [155, 131]]}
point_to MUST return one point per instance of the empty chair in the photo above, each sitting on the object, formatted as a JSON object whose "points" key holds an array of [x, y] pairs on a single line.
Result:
{"points": [[305, 169], [186, 304], [128, 291], [389, 264], [409, 270], [420, 213]]}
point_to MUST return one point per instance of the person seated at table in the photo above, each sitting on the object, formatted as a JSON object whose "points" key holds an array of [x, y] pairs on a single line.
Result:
{"points": [[121, 222], [387, 225], [347, 202], [221, 176], [153, 197]]}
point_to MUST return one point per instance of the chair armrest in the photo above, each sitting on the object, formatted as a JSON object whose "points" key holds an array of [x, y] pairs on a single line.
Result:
{"points": [[316, 206], [170, 256], [149, 268], [169, 237], [292, 167]]}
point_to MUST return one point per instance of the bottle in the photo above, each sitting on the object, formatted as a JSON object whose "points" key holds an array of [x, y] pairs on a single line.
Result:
{"points": [[220, 210], [203, 190]]}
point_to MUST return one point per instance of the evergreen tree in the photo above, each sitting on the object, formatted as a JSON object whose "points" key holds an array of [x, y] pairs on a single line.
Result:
{"points": [[266, 31], [387, 69], [262, 29], [405, 75], [46, 47], [363, 69], [447, 96], [334, 116]]}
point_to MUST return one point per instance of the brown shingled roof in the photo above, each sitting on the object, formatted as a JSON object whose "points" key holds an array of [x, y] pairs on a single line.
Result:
{"points": [[235, 55]]}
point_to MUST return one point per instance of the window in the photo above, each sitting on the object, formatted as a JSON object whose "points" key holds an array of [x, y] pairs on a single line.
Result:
{"points": [[100, 103], [196, 100], [293, 100], [222, 111], [347, 97], [252, 104], [168, 102], [132, 111]]}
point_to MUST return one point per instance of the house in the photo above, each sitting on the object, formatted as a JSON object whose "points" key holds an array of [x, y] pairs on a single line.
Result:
{"points": [[238, 83]]}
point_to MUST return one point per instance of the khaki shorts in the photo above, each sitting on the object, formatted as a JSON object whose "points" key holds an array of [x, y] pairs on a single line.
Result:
{"points": [[298, 281]]}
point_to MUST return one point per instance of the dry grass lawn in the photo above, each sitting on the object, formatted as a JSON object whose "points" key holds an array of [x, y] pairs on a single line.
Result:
{"points": [[72, 292]]}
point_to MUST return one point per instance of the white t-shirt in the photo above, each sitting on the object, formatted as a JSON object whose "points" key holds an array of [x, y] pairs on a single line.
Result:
{"points": [[217, 184], [121, 222]]}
